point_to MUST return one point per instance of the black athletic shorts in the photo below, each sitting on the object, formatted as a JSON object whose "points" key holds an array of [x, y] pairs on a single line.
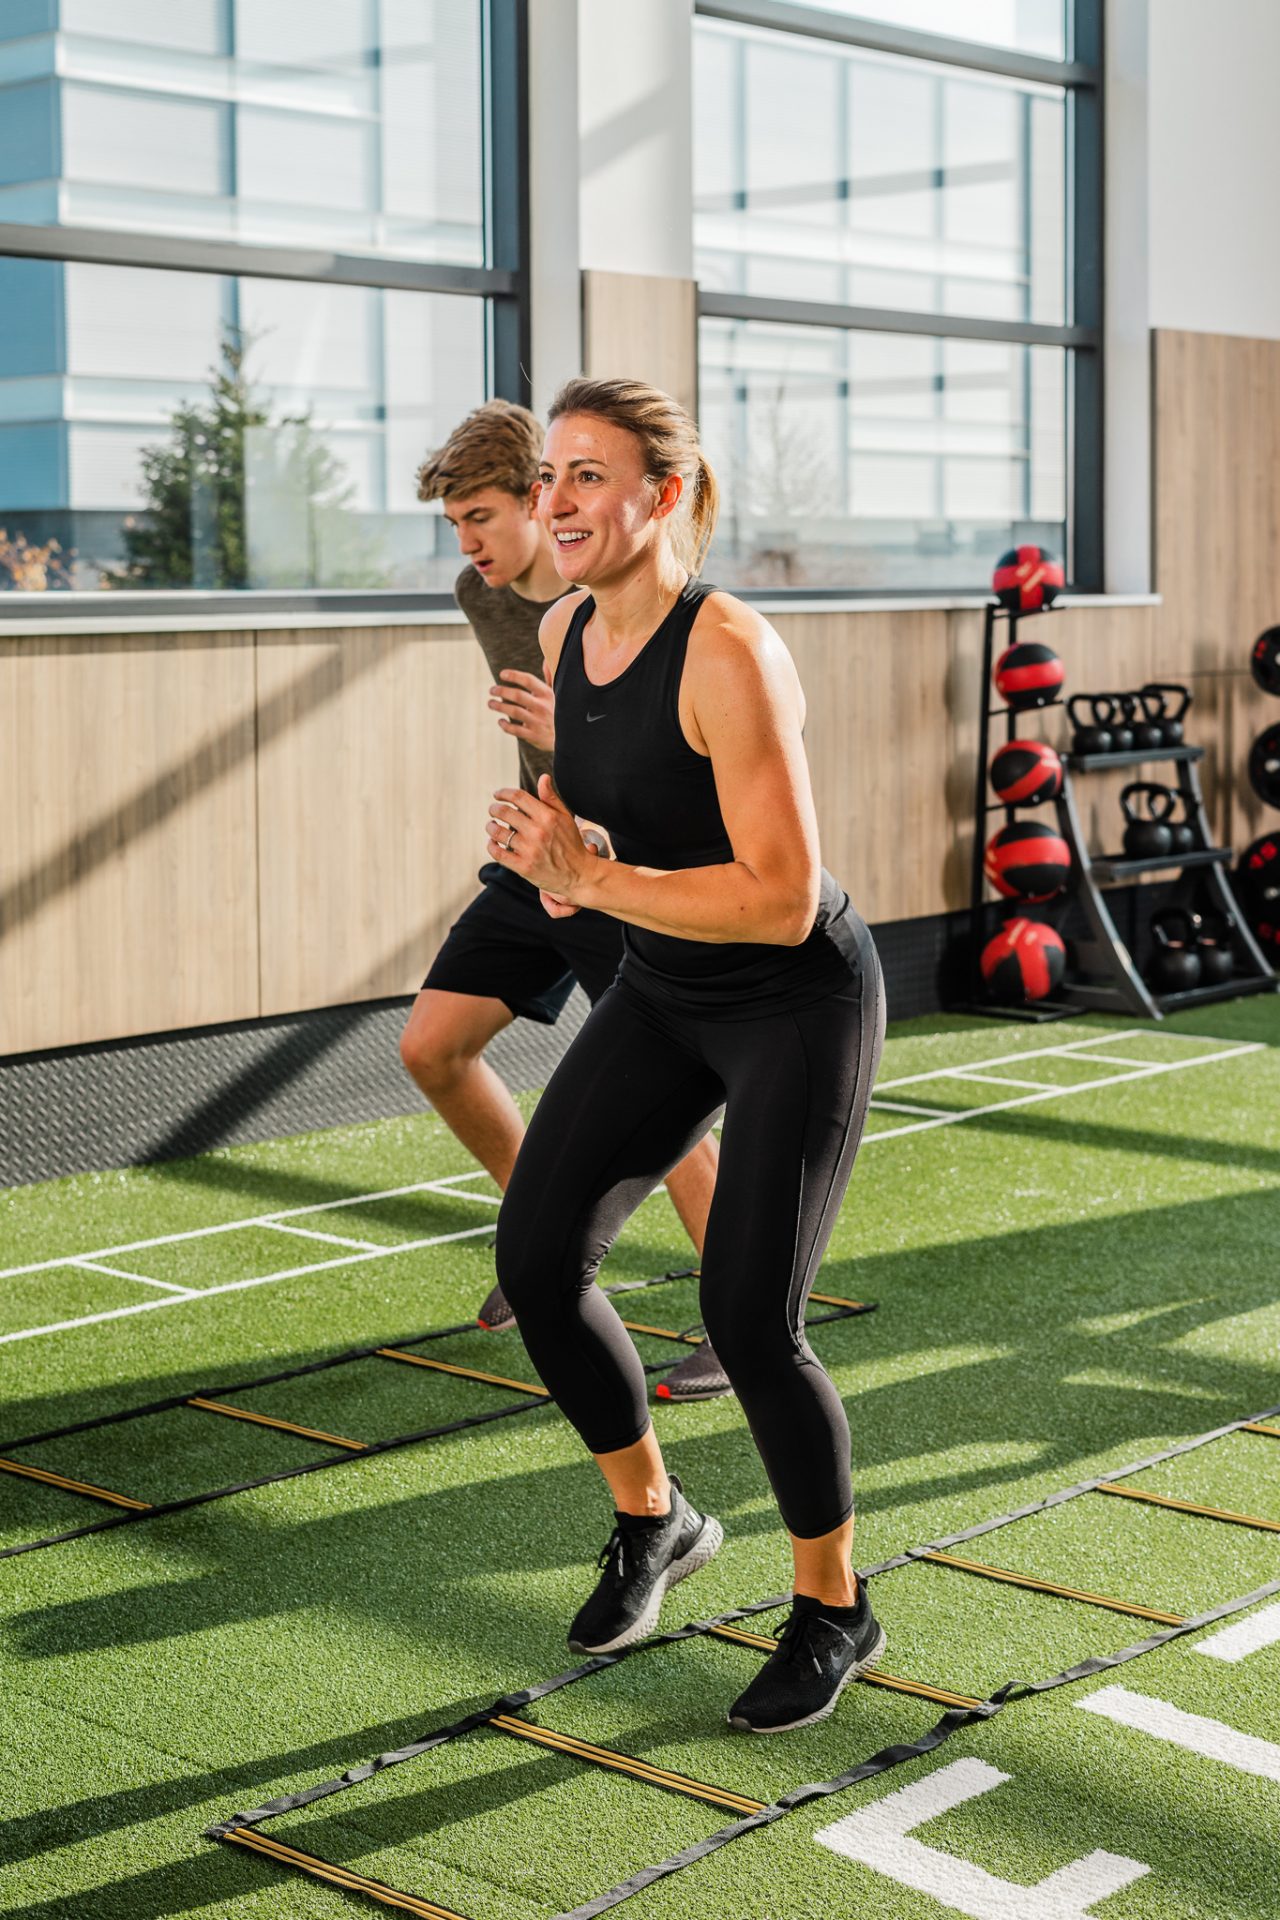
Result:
{"points": [[505, 946]]}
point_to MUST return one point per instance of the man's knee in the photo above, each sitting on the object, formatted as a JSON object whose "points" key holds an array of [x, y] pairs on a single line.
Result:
{"points": [[437, 1057]]}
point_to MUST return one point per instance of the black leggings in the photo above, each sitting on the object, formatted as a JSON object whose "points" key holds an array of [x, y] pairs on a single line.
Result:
{"points": [[636, 1090]]}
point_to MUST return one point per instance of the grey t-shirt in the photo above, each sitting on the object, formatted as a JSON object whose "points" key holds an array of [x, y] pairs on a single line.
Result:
{"points": [[506, 625]]}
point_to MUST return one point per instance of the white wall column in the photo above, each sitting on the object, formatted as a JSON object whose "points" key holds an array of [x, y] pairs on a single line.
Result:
{"points": [[554, 228], [636, 122], [1127, 530]]}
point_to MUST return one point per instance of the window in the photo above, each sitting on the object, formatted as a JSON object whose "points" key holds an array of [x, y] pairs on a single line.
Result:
{"points": [[896, 241], [255, 259]]}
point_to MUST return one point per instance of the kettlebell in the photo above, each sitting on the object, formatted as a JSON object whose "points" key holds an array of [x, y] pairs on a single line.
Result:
{"points": [[1095, 737], [1217, 961], [1149, 733], [1175, 966], [1185, 837], [1122, 731], [1174, 701], [1150, 838]]}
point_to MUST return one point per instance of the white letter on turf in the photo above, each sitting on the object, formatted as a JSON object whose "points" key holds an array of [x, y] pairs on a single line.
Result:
{"points": [[878, 1837], [1246, 1636], [1195, 1731]]}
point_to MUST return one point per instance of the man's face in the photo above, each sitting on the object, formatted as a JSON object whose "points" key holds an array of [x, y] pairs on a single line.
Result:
{"points": [[497, 532]]}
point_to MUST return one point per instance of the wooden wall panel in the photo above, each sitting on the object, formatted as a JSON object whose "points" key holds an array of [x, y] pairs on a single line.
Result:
{"points": [[377, 757], [643, 327], [1217, 499], [128, 900], [1217, 495], [876, 688]]}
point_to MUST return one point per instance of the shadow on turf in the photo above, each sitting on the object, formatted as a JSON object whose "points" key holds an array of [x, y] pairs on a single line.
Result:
{"points": [[1037, 1286]]}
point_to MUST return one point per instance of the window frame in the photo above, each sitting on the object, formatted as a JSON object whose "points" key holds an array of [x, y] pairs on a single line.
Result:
{"points": [[1081, 75], [502, 283]]}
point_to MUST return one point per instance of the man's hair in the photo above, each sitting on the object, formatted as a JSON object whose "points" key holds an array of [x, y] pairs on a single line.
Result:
{"points": [[499, 445]]}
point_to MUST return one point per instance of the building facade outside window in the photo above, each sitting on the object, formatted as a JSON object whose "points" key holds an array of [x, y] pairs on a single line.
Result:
{"points": [[896, 238], [251, 267]]}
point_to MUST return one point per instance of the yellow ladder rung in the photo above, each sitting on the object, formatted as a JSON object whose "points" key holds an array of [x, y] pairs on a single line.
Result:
{"points": [[1189, 1506], [665, 1333], [273, 1849], [463, 1373], [643, 1770], [269, 1420], [74, 1486], [1048, 1586]]}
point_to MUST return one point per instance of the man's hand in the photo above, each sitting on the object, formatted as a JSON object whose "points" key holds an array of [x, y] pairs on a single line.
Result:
{"points": [[526, 707]]}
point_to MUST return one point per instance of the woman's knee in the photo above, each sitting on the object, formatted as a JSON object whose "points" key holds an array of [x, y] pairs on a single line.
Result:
{"points": [[517, 1261]]}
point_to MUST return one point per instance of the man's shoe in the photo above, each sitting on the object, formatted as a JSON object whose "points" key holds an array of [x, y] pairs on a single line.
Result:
{"points": [[814, 1659], [496, 1313], [640, 1562], [699, 1377]]}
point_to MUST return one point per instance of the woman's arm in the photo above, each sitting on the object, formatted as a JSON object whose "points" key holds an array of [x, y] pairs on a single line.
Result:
{"points": [[745, 706]]}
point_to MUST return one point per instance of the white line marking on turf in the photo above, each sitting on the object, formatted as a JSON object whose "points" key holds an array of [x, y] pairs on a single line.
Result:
{"points": [[999, 1079], [222, 1226], [1071, 1047], [239, 1286], [1111, 1060], [1061, 1093], [310, 1233], [1213, 1739], [878, 1836], [904, 1106], [1245, 1637], [448, 1184], [476, 1199], [143, 1279]]}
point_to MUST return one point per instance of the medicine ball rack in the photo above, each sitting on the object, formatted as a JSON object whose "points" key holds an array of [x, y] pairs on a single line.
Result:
{"points": [[979, 906], [1104, 977]]}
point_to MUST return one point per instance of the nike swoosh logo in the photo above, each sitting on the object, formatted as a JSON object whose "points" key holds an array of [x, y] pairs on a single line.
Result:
{"points": [[596, 716]]}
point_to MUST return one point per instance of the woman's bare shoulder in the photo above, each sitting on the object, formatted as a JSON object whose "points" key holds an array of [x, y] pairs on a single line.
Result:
{"points": [[728, 636], [555, 624]]}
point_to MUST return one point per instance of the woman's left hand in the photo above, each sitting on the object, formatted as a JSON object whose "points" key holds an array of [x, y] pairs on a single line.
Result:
{"points": [[537, 837]]}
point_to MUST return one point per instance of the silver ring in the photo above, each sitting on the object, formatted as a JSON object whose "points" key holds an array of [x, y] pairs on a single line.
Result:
{"points": [[506, 848]]}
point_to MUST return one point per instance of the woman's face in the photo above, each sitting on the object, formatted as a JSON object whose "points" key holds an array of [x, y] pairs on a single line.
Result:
{"points": [[596, 502]]}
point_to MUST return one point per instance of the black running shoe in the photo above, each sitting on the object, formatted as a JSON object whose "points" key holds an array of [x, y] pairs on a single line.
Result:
{"points": [[496, 1314], [698, 1377], [639, 1565], [814, 1659]]}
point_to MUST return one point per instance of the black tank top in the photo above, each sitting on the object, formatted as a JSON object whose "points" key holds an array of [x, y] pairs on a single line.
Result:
{"points": [[623, 761]]}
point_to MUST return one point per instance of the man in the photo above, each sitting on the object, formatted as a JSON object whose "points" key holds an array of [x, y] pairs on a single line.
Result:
{"points": [[505, 955]]}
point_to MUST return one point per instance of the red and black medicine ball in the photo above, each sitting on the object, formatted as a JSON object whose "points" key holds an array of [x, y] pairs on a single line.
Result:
{"points": [[1028, 861], [1024, 961], [1027, 579], [1028, 675], [1026, 772], [1258, 878]]}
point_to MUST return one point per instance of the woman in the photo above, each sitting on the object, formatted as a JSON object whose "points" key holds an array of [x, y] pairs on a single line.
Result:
{"points": [[747, 981]]}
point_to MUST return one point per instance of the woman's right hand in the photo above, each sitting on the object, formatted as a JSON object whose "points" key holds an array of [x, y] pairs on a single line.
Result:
{"points": [[553, 903]]}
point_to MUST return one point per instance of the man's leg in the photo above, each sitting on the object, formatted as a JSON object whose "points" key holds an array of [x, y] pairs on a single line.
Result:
{"points": [[691, 1186], [442, 1047]]}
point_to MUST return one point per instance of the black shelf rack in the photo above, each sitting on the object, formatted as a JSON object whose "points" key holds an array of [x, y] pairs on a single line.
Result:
{"points": [[1104, 976]]}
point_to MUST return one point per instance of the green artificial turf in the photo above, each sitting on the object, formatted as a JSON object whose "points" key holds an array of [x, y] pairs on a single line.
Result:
{"points": [[1065, 1285]]}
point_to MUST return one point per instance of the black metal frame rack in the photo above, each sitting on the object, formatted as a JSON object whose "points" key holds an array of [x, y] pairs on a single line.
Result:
{"points": [[1105, 977]]}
